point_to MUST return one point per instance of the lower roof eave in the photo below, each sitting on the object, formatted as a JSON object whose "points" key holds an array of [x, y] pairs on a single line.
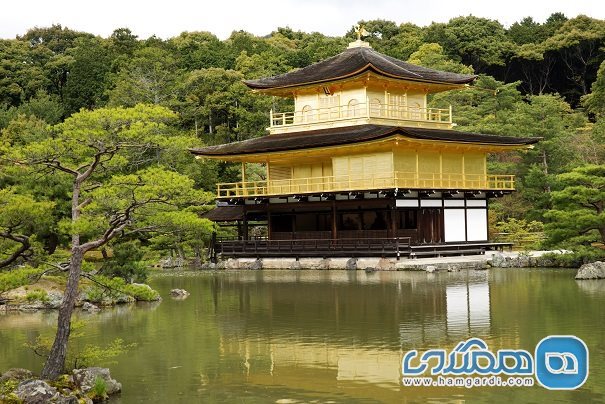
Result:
{"points": [[362, 194]]}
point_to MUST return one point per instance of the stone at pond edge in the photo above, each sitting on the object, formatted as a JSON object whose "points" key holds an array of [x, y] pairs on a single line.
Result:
{"points": [[351, 264], [453, 268], [430, 268], [90, 307], [179, 293], [384, 264], [324, 264], [16, 374], [595, 270], [256, 265], [68, 400], [36, 391], [85, 379], [296, 265]]}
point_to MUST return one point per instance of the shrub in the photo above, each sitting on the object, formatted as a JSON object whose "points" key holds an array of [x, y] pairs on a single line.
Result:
{"points": [[37, 295], [142, 292], [126, 263], [575, 259], [17, 278], [113, 288], [99, 390]]}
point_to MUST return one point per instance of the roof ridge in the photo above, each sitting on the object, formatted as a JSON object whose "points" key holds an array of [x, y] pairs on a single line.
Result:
{"points": [[386, 59]]}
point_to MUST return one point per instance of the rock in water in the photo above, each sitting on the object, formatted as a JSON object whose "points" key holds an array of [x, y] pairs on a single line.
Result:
{"points": [[595, 270], [351, 264], [85, 379], [179, 293], [430, 269], [453, 268], [87, 306], [256, 265], [36, 392]]}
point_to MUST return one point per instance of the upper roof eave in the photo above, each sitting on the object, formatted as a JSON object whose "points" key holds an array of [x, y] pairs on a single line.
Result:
{"points": [[353, 135], [355, 61]]}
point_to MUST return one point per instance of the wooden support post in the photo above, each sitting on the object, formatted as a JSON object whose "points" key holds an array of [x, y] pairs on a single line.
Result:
{"points": [[394, 218], [334, 222], [245, 226], [269, 224]]}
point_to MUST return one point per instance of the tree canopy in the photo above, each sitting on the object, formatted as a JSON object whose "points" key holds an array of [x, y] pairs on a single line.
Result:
{"points": [[94, 131]]}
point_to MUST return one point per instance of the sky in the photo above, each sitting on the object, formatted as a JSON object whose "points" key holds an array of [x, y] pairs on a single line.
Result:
{"points": [[166, 19]]}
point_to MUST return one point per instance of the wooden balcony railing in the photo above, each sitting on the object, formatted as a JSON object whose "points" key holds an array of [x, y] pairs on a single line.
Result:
{"points": [[344, 183], [363, 110]]}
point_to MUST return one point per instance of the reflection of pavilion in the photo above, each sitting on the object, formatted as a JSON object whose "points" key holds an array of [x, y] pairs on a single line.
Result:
{"points": [[351, 327], [467, 314]]}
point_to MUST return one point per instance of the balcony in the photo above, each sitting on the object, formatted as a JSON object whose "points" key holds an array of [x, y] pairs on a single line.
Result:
{"points": [[358, 114], [345, 183]]}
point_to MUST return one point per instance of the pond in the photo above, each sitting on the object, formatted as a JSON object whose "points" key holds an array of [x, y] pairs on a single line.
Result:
{"points": [[328, 336]]}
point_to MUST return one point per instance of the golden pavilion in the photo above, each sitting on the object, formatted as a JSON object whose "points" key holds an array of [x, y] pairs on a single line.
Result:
{"points": [[362, 166]]}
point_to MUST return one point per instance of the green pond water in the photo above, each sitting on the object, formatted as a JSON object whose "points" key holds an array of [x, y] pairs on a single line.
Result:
{"points": [[328, 336]]}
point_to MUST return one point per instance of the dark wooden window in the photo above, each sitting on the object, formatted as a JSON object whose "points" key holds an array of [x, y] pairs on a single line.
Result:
{"points": [[408, 219]]}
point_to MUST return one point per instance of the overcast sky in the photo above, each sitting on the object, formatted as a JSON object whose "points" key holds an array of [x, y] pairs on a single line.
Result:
{"points": [[168, 18]]}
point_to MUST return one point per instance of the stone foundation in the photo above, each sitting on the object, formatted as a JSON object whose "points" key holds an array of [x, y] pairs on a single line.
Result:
{"points": [[478, 262]]}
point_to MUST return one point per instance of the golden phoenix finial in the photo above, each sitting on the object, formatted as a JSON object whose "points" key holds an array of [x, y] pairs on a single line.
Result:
{"points": [[360, 31]]}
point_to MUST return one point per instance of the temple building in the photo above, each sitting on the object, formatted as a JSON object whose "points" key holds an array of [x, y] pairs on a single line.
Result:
{"points": [[362, 165]]}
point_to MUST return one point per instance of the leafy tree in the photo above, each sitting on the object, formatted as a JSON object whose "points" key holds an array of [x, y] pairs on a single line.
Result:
{"points": [[123, 42], [43, 106], [104, 152], [431, 55], [21, 217], [553, 23], [126, 262], [578, 216], [199, 50], [578, 43], [595, 101], [88, 75], [21, 71], [526, 31], [536, 67], [483, 107], [478, 42], [217, 101], [24, 129], [56, 38], [263, 64], [182, 232], [149, 77], [552, 119]]}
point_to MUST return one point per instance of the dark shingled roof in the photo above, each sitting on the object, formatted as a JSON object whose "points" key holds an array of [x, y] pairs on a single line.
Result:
{"points": [[350, 135], [353, 62], [225, 214]]}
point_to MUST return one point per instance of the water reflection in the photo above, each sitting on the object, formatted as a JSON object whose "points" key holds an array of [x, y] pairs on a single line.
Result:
{"points": [[263, 336]]}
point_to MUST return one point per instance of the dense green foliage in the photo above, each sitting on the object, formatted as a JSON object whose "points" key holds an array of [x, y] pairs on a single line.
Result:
{"points": [[63, 91]]}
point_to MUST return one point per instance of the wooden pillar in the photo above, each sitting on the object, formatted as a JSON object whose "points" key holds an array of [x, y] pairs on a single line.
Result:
{"points": [[269, 224], [394, 221], [334, 229], [245, 225]]}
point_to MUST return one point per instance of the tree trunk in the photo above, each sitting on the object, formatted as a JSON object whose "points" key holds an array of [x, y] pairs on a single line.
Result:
{"points": [[545, 165], [55, 363]]}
